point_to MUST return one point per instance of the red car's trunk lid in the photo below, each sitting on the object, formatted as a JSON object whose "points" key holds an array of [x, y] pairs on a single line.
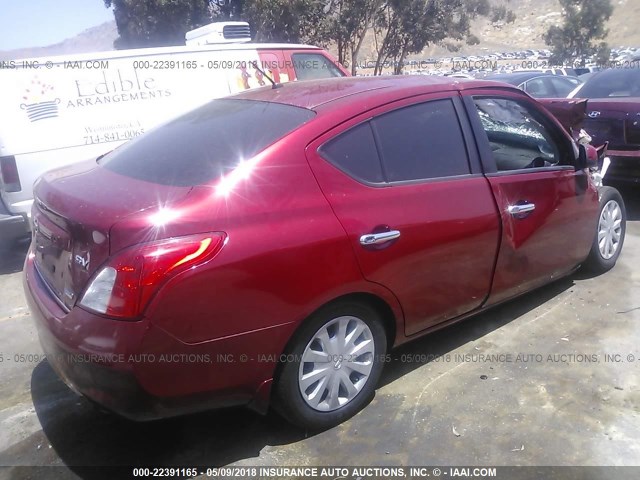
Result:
{"points": [[74, 210], [613, 120], [616, 120], [569, 112]]}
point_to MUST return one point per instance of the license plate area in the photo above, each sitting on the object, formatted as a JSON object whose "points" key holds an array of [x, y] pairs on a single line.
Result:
{"points": [[52, 248]]}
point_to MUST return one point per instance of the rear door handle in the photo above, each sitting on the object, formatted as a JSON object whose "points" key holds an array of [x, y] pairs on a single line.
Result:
{"points": [[521, 208], [379, 238]]}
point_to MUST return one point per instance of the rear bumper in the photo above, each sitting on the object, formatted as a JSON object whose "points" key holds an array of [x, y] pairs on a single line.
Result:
{"points": [[133, 368], [12, 227]]}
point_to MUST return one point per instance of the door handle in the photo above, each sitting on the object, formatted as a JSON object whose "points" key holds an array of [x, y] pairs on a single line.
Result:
{"points": [[521, 208], [379, 238]]}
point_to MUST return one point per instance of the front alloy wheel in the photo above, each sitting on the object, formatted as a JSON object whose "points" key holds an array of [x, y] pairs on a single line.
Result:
{"points": [[609, 235], [609, 229]]}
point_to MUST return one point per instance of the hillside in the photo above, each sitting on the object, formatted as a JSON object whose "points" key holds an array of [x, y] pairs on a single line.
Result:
{"points": [[533, 19], [94, 39]]}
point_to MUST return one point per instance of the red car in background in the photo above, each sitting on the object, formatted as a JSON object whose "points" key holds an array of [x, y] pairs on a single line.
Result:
{"points": [[270, 248], [613, 115]]}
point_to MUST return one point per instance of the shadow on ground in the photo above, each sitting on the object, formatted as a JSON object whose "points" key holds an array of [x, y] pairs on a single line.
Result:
{"points": [[12, 256], [84, 435]]}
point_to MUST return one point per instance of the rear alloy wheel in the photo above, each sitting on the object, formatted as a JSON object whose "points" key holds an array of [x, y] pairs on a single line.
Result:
{"points": [[334, 366], [610, 232], [336, 363]]}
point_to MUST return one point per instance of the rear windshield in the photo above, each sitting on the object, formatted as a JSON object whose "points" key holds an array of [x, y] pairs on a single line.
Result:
{"points": [[205, 143], [617, 82]]}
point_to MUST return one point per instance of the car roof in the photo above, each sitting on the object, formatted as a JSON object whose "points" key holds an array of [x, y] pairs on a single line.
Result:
{"points": [[613, 72], [517, 78], [607, 73], [331, 93]]}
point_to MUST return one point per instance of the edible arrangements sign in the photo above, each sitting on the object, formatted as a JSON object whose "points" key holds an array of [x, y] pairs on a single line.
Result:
{"points": [[48, 105]]}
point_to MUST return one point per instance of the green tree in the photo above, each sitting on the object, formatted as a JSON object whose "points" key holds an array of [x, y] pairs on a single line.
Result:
{"points": [[146, 23], [226, 9], [346, 25], [576, 39], [275, 20], [501, 12], [291, 21], [149, 23], [404, 27]]}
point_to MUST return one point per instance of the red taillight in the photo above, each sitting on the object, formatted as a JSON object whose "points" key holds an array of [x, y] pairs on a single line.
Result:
{"points": [[124, 285], [9, 172]]}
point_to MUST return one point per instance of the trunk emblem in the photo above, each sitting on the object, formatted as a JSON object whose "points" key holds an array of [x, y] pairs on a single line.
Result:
{"points": [[594, 114], [83, 262]]}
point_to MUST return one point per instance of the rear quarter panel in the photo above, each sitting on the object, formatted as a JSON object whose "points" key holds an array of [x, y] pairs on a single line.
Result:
{"points": [[286, 254]]}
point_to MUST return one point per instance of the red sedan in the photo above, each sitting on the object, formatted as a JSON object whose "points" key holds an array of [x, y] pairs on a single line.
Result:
{"points": [[270, 248], [613, 115]]}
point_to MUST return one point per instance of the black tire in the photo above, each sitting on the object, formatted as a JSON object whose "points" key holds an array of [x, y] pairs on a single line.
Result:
{"points": [[596, 262], [288, 398]]}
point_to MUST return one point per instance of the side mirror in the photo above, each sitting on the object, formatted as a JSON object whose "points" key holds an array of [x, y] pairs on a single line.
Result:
{"points": [[587, 157]]}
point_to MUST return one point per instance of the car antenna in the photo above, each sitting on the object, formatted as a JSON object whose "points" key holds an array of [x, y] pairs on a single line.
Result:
{"points": [[274, 84]]}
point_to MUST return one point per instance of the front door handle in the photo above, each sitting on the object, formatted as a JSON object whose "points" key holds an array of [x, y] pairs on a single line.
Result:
{"points": [[379, 238], [521, 208]]}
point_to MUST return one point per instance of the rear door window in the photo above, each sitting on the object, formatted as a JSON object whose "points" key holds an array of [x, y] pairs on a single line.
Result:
{"points": [[562, 86], [314, 66], [422, 141], [354, 152], [539, 88], [206, 143], [616, 82]]}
